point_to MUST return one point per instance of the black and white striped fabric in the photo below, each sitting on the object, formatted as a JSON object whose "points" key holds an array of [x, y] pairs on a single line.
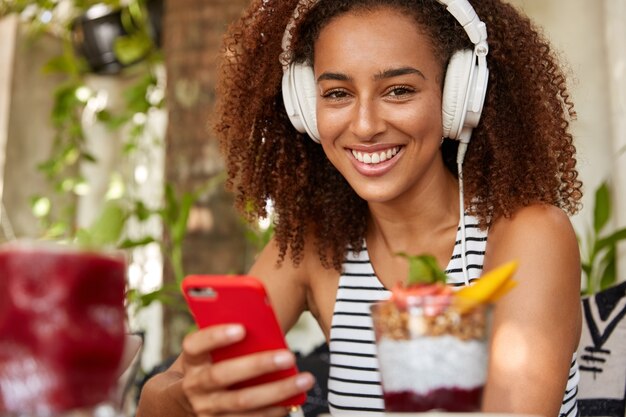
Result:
{"points": [[354, 380]]}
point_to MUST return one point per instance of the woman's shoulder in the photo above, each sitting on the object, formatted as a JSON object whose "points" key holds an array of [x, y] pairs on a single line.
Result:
{"points": [[539, 235], [535, 221]]}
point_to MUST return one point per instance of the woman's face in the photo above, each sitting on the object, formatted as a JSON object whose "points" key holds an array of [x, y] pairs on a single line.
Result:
{"points": [[379, 103]]}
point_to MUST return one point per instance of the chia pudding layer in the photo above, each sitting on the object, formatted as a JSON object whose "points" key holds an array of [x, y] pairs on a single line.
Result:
{"points": [[424, 364]]}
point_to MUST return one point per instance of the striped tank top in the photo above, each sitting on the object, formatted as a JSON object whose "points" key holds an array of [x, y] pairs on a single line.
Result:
{"points": [[354, 380]]}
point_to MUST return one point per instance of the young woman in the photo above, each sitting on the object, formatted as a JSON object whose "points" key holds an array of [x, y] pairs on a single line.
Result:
{"points": [[393, 90]]}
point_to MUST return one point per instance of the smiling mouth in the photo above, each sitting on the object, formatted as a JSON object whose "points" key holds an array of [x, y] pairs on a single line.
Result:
{"points": [[375, 157]]}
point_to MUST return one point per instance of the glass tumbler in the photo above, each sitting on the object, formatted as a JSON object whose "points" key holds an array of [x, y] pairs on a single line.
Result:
{"points": [[62, 328], [431, 356]]}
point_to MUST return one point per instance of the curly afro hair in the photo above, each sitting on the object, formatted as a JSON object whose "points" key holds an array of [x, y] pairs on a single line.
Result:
{"points": [[521, 153]]}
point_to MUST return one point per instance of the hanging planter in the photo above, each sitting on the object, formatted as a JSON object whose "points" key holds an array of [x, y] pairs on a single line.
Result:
{"points": [[112, 39]]}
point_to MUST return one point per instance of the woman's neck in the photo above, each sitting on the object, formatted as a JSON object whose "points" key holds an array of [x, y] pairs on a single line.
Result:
{"points": [[409, 223]]}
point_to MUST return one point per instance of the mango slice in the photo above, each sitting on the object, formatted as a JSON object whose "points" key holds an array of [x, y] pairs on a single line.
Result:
{"points": [[487, 289]]}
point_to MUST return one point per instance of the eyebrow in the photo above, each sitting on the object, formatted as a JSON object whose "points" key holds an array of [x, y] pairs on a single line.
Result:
{"points": [[333, 76], [396, 72], [390, 73]]}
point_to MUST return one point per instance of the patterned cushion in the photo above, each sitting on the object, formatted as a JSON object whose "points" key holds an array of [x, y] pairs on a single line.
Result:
{"points": [[602, 354]]}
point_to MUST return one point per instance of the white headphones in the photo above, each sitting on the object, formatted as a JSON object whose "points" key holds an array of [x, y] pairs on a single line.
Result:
{"points": [[464, 89]]}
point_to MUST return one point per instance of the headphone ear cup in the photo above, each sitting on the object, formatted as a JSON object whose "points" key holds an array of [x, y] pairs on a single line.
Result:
{"points": [[455, 91], [300, 98]]}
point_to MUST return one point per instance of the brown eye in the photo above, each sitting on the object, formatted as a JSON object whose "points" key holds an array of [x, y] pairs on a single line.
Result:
{"points": [[336, 94], [400, 91]]}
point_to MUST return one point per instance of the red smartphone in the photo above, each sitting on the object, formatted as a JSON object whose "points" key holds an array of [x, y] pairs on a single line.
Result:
{"points": [[220, 299]]}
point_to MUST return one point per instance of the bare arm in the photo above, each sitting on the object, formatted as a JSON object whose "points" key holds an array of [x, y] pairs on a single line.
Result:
{"points": [[537, 325], [195, 386]]}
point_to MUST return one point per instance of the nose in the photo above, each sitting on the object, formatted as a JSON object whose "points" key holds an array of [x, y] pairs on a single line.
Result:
{"points": [[367, 121]]}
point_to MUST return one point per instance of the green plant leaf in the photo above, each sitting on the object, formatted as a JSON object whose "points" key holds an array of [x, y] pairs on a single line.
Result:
{"points": [[131, 48], [113, 121], [57, 230], [129, 148], [179, 228], [169, 213], [423, 269], [142, 212], [86, 156], [65, 102], [610, 240], [136, 95], [107, 229], [70, 154], [134, 243], [608, 269], [587, 270], [602, 207], [145, 299], [176, 258], [59, 64]]}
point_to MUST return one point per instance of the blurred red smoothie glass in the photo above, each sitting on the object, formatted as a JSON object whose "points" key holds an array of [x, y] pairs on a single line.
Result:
{"points": [[62, 327]]}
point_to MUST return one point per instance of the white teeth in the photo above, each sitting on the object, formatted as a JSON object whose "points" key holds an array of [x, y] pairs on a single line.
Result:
{"points": [[375, 157]]}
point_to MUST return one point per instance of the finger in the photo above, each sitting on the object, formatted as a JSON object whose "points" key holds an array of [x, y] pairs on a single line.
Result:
{"points": [[210, 377], [198, 345], [253, 398]]}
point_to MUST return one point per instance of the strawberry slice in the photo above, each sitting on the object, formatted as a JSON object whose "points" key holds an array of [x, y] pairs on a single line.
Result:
{"points": [[405, 296]]}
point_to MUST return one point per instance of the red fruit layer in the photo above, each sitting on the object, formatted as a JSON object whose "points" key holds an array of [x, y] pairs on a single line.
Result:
{"points": [[446, 399]]}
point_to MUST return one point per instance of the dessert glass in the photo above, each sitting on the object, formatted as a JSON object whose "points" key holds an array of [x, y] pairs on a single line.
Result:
{"points": [[431, 356], [62, 328]]}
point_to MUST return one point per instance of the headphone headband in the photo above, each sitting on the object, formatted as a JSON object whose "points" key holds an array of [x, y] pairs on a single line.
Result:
{"points": [[286, 55], [465, 14], [462, 11]]}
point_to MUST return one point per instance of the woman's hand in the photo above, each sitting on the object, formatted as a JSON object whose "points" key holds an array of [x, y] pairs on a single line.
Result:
{"points": [[204, 384]]}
